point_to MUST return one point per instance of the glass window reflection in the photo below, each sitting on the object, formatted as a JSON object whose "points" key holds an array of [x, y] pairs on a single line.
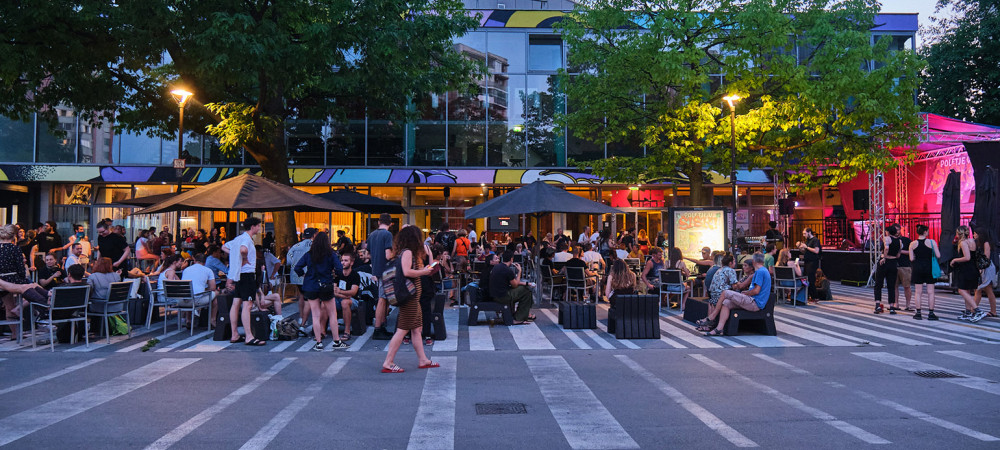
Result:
{"points": [[507, 119], [506, 51], [17, 140], [544, 53], [546, 147]]}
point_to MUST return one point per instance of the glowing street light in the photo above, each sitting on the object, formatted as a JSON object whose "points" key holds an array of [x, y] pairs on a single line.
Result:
{"points": [[731, 99]]}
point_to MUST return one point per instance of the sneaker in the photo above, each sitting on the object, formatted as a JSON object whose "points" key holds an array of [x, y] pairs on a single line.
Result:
{"points": [[893, 309], [339, 345], [428, 341], [318, 347], [931, 316], [878, 309], [965, 315], [977, 315], [917, 316], [381, 335]]}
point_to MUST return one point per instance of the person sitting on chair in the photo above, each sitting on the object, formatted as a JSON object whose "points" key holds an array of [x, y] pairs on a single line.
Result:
{"points": [[506, 288], [753, 299], [589, 274]]}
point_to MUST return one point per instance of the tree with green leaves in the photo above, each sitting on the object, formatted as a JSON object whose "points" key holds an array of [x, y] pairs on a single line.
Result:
{"points": [[253, 65], [962, 49], [820, 104]]}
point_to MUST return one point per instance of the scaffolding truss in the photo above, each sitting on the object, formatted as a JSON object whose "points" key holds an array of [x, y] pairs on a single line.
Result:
{"points": [[876, 205]]}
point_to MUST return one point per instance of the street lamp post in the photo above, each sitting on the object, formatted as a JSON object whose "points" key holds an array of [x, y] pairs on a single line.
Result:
{"points": [[731, 99], [182, 96]]}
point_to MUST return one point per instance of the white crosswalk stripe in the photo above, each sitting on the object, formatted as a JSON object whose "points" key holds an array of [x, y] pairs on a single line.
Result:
{"points": [[570, 334], [198, 420], [266, 434], [481, 338], [434, 426], [848, 327], [451, 326], [530, 337], [982, 384], [19, 425], [183, 342], [795, 403], [584, 420], [692, 407], [972, 357], [50, 376], [890, 404]]}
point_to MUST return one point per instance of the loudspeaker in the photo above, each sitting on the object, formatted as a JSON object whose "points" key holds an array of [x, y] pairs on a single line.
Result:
{"points": [[861, 199], [786, 206]]}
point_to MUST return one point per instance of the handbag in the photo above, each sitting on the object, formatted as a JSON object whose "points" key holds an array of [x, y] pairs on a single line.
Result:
{"points": [[397, 288], [982, 262], [935, 267]]}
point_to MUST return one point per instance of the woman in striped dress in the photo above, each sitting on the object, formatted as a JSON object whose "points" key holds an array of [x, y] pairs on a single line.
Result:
{"points": [[408, 247]]}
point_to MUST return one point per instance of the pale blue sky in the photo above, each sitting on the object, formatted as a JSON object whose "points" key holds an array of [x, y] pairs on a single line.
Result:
{"points": [[924, 7]]}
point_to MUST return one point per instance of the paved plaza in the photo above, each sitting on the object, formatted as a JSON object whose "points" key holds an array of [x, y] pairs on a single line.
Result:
{"points": [[835, 376]]}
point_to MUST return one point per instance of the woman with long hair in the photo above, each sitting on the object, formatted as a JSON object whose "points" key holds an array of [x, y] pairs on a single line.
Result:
{"points": [[966, 274], [989, 274], [885, 273], [922, 252], [643, 240], [318, 267], [621, 281], [784, 258], [409, 248]]}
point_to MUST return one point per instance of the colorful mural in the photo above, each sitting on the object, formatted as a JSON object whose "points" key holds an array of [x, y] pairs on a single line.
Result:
{"points": [[348, 176]]}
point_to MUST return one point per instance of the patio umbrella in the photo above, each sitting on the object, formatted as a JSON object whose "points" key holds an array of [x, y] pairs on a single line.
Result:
{"points": [[985, 214], [537, 198], [951, 204], [245, 193], [148, 200], [363, 203]]}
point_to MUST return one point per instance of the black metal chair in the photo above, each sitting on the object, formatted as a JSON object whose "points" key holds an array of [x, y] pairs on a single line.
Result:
{"points": [[180, 297], [115, 304], [68, 305]]}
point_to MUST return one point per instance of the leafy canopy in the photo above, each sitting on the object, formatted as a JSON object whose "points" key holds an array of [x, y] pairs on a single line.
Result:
{"points": [[820, 103], [258, 62], [962, 78]]}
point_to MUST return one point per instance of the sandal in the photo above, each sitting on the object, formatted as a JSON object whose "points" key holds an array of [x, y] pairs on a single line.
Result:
{"points": [[240, 338], [714, 332], [345, 337], [989, 314], [429, 366], [392, 369], [406, 339], [705, 328], [531, 317], [255, 342]]}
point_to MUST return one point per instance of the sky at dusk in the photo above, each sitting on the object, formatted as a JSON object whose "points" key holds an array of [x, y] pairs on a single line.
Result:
{"points": [[923, 7]]}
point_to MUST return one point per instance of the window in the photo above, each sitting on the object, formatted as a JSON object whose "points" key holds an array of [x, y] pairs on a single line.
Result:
{"points": [[506, 52], [544, 53], [16, 140]]}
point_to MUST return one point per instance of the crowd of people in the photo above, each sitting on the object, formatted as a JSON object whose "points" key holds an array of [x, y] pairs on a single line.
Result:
{"points": [[332, 275]]}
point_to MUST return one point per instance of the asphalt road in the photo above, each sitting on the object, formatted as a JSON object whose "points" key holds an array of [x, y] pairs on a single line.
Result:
{"points": [[802, 392]]}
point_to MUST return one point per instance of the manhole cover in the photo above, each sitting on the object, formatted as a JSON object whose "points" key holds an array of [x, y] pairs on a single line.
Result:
{"points": [[488, 409], [936, 374]]}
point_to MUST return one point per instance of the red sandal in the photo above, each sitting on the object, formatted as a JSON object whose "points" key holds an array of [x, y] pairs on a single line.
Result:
{"points": [[429, 366], [393, 369]]}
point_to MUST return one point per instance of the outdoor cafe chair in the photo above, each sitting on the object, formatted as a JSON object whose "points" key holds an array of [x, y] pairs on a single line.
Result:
{"points": [[551, 281], [577, 281], [154, 300], [672, 283], [69, 305], [115, 304], [785, 280], [14, 324], [179, 296]]}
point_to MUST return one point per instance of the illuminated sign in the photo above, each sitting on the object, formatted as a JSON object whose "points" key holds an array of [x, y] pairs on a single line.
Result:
{"points": [[692, 229], [641, 198], [505, 223]]}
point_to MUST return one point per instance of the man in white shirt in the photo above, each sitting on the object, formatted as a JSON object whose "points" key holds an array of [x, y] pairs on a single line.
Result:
{"points": [[593, 259], [242, 279], [202, 283], [472, 233], [75, 256], [584, 237], [595, 237], [562, 255]]}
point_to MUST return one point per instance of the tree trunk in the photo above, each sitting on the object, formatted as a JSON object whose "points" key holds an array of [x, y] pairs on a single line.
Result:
{"points": [[696, 180], [273, 160]]}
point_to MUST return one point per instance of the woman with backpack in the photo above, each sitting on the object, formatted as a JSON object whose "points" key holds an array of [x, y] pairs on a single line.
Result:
{"points": [[408, 247], [317, 287]]}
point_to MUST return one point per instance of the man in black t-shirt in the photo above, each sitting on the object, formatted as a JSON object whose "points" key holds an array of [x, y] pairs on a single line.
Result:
{"points": [[590, 275], [113, 245], [772, 235], [345, 289], [445, 237], [506, 287], [50, 275], [344, 243]]}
